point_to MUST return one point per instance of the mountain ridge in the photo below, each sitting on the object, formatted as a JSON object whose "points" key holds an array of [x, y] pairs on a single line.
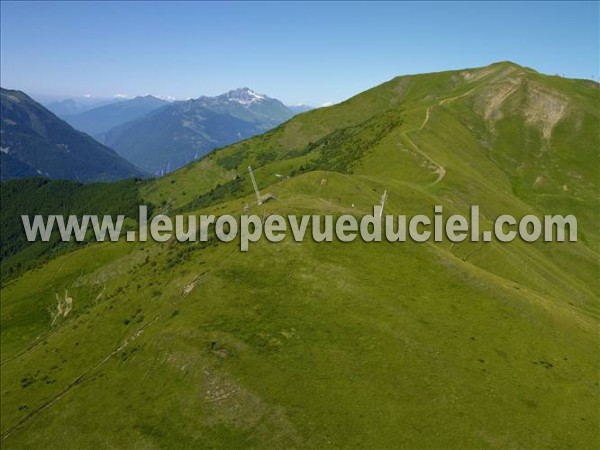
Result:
{"points": [[99, 120], [50, 147], [312, 345], [182, 131]]}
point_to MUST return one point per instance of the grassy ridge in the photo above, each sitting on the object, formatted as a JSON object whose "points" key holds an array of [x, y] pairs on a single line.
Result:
{"points": [[312, 345]]}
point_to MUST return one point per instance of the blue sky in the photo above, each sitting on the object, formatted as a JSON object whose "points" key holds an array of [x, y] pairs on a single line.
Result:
{"points": [[297, 52]]}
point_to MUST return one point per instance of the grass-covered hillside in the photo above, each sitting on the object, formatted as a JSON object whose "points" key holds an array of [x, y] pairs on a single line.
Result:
{"points": [[331, 345]]}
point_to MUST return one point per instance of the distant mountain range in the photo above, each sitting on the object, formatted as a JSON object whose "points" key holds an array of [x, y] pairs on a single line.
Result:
{"points": [[77, 105], [184, 131], [297, 109], [99, 120], [36, 142], [151, 133], [177, 133]]}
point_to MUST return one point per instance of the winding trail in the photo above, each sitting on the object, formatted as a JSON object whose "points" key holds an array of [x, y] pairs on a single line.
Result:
{"points": [[426, 118], [440, 170], [449, 99]]}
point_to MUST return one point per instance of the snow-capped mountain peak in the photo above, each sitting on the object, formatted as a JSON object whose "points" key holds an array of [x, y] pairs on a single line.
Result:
{"points": [[244, 96]]}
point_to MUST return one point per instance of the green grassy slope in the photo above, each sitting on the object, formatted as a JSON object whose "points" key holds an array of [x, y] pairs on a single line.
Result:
{"points": [[337, 345]]}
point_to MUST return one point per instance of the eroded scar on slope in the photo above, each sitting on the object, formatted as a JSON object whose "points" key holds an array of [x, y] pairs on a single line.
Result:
{"points": [[63, 307], [544, 108]]}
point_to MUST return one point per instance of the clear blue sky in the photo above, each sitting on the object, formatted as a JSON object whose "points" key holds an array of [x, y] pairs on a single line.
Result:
{"points": [[297, 52]]}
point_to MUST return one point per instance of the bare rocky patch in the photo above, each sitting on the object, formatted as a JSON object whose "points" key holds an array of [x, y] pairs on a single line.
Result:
{"points": [[63, 307], [544, 108]]}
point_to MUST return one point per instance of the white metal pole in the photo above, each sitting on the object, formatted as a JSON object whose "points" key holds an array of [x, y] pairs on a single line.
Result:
{"points": [[255, 186], [383, 198]]}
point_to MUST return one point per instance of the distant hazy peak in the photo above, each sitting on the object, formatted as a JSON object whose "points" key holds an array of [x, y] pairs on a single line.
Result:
{"points": [[147, 97]]}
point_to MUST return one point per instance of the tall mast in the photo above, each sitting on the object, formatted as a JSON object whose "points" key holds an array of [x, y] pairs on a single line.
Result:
{"points": [[258, 200], [383, 199]]}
